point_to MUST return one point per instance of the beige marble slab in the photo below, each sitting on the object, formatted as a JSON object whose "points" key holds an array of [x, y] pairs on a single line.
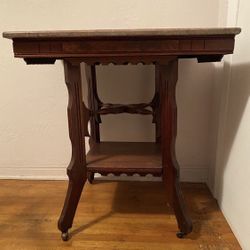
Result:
{"points": [[123, 32]]}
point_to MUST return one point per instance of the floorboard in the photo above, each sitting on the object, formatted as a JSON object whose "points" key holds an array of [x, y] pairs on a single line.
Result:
{"points": [[110, 216]]}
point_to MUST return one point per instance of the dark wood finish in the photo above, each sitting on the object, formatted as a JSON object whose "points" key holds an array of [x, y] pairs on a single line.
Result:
{"points": [[90, 176], [123, 46], [168, 76], [94, 103], [30, 61], [163, 48], [76, 170], [139, 108], [138, 48], [125, 157], [157, 104]]}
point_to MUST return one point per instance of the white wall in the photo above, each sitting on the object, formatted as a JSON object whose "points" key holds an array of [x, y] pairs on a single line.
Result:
{"points": [[33, 127], [232, 186]]}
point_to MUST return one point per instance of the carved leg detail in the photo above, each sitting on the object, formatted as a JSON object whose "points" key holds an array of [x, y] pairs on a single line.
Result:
{"points": [[168, 76], [176, 200], [93, 103], [77, 168], [184, 221], [157, 111], [70, 205]]}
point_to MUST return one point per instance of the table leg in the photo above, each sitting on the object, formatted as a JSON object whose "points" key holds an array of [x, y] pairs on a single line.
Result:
{"points": [[93, 104], [168, 78], [157, 109], [77, 168]]}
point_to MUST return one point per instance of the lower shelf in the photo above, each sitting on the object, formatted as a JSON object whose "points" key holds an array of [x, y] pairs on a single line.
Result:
{"points": [[125, 157]]}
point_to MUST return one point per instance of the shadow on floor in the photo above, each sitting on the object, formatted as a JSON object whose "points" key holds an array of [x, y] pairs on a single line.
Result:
{"points": [[150, 198]]}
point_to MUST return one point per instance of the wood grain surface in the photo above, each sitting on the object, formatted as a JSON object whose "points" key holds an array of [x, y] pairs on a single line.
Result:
{"points": [[125, 157], [111, 216]]}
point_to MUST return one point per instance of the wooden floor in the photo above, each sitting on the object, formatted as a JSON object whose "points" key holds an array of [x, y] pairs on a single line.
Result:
{"points": [[110, 216]]}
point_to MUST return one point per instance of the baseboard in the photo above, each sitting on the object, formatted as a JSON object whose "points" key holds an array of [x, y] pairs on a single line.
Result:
{"points": [[188, 174], [194, 174], [34, 173]]}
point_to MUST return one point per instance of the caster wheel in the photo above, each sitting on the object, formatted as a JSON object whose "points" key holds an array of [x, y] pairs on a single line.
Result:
{"points": [[65, 236], [180, 235]]}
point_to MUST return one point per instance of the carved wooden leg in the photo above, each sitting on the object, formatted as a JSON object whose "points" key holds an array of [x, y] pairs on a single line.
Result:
{"points": [[169, 75], [77, 167], [157, 111], [93, 104]]}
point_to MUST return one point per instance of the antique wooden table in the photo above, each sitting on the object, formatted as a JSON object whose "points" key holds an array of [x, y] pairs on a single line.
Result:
{"points": [[161, 47]]}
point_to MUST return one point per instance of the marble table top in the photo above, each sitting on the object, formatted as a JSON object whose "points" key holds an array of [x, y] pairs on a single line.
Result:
{"points": [[123, 32]]}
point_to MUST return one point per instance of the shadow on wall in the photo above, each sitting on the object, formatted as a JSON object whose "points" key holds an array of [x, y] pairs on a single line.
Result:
{"points": [[238, 97]]}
